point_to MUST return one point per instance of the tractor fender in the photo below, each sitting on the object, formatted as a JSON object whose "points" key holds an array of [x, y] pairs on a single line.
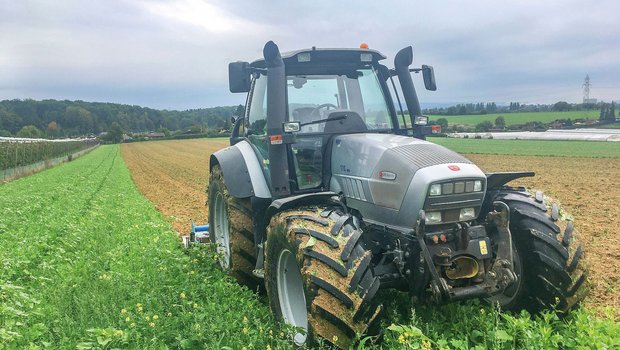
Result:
{"points": [[282, 204], [242, 172], [496, 180]]}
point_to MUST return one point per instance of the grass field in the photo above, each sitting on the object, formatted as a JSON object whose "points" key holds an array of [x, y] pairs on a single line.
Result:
{"points": [[531, 147], [518, 118], [88, 263]]}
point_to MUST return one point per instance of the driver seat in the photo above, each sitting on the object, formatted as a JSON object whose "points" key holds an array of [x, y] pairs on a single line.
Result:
{"points": [[351, 122]]}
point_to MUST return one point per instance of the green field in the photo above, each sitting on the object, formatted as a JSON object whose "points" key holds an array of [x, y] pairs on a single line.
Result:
{"points": [[597, 149], [518, 118], [88, 263]]}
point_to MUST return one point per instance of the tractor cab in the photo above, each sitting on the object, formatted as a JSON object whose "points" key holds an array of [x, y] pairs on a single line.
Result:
{"points": [[314, 94]]}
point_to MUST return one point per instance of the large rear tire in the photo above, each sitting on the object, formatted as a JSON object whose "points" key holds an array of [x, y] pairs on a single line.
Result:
{"points": [[318, 275], [231, 230], [548, 261]]}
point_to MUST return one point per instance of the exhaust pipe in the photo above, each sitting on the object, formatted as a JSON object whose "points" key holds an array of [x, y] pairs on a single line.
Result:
{"points": [[402, 61], [276, 110]]}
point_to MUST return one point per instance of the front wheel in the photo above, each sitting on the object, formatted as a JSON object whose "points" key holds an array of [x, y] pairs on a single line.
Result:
{"points": [[230, 223], [547, 261], [318, 275]]}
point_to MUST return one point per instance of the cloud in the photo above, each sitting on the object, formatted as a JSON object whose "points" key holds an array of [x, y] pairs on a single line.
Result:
{"points": [[174, 54]]}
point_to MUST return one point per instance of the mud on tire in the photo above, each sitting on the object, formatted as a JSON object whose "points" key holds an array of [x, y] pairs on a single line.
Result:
{"points": [[238, 214], [338, 280], [548, 257]]}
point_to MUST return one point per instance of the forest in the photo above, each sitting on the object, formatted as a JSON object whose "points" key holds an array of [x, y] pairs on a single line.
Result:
{"points": [[59, 119]]}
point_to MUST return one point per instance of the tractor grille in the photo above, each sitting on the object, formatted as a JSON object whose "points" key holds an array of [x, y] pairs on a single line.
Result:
{"points": [[425, 155]]}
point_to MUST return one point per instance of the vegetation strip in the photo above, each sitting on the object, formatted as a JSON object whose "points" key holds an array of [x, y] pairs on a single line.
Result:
{"points": [[589, 149], [89, 263]]}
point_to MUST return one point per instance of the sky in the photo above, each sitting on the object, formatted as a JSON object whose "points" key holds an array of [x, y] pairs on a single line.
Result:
{"points": [[174, 54]]}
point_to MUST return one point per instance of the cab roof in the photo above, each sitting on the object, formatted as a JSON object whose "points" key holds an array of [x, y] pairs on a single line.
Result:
{"points": [[315, 56]]}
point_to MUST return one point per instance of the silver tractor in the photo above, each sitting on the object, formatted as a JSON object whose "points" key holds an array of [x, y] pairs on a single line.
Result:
{"points": [[329, 193]]}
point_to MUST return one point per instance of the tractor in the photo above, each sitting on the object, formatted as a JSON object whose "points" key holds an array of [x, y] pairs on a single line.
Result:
{"points": [[329, 192]]}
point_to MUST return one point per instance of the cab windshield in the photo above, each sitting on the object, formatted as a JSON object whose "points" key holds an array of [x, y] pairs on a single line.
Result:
{"points": [[313, 98]]}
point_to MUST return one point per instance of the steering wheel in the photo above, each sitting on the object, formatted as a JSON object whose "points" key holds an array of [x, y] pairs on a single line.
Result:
{"points": [[327, 106]]}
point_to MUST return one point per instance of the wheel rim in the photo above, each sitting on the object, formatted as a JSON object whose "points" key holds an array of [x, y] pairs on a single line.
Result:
{"points": [[222, 237], [291, 295]]}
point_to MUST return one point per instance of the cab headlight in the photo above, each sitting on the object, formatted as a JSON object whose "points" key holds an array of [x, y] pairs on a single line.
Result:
{"points": [[421, 120]]}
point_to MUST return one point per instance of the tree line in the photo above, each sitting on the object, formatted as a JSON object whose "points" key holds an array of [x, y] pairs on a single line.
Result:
{"points": [[492, 107], [59, 119]]}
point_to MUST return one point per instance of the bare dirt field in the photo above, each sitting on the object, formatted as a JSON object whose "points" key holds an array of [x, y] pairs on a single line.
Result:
{"points": [[173, 175]]}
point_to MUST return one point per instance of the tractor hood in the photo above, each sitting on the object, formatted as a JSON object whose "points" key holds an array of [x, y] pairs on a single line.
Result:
{"points": [[387, 177]]}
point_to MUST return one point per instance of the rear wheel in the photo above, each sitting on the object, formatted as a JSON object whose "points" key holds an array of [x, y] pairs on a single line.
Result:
{"points": [[318, 275], [547, 260], [231, 230]]}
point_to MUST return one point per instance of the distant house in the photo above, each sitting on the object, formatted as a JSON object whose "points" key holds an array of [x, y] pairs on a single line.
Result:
{"points": [[155, 135]]}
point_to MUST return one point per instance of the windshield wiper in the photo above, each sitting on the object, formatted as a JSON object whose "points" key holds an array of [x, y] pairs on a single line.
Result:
{"points": [[340, 117]]}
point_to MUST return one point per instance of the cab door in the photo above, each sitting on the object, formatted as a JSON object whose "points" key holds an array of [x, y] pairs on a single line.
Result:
{"points": [[256, 122]]}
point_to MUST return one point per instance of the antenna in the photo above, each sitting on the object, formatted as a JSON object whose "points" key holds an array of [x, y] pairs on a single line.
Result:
{"points": [[586, 89]]}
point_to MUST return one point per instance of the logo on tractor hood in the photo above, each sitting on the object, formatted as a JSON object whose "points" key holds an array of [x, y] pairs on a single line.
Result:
{"points": [[454, 167]]}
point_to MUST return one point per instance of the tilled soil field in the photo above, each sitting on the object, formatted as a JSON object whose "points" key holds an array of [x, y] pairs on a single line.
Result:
{"points": [[174, 174]]}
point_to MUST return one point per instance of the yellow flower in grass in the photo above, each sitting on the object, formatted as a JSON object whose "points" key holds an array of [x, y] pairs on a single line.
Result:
{"points": [[148, 318], [401, 339], [127, 319], [182, 295], [118, 332], [195, 305], [123, 311], [268, 347], [335, 339], [152, 324], [155, 317]]}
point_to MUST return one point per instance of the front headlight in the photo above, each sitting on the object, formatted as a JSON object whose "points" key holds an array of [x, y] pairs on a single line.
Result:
{"points": [[467, 214], [435, 190], [433, 217], [477, 185]]}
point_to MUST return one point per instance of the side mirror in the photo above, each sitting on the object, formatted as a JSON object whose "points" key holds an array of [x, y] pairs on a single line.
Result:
{"points": [[239, 77], [429, 77]]}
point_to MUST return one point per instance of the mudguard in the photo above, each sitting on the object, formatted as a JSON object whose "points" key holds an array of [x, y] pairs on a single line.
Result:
{"points": [[242, 172], [495, 180]]}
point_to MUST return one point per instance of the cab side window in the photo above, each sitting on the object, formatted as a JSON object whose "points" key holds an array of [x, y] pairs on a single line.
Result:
{"points": [[256, 131], [257, 115]]}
